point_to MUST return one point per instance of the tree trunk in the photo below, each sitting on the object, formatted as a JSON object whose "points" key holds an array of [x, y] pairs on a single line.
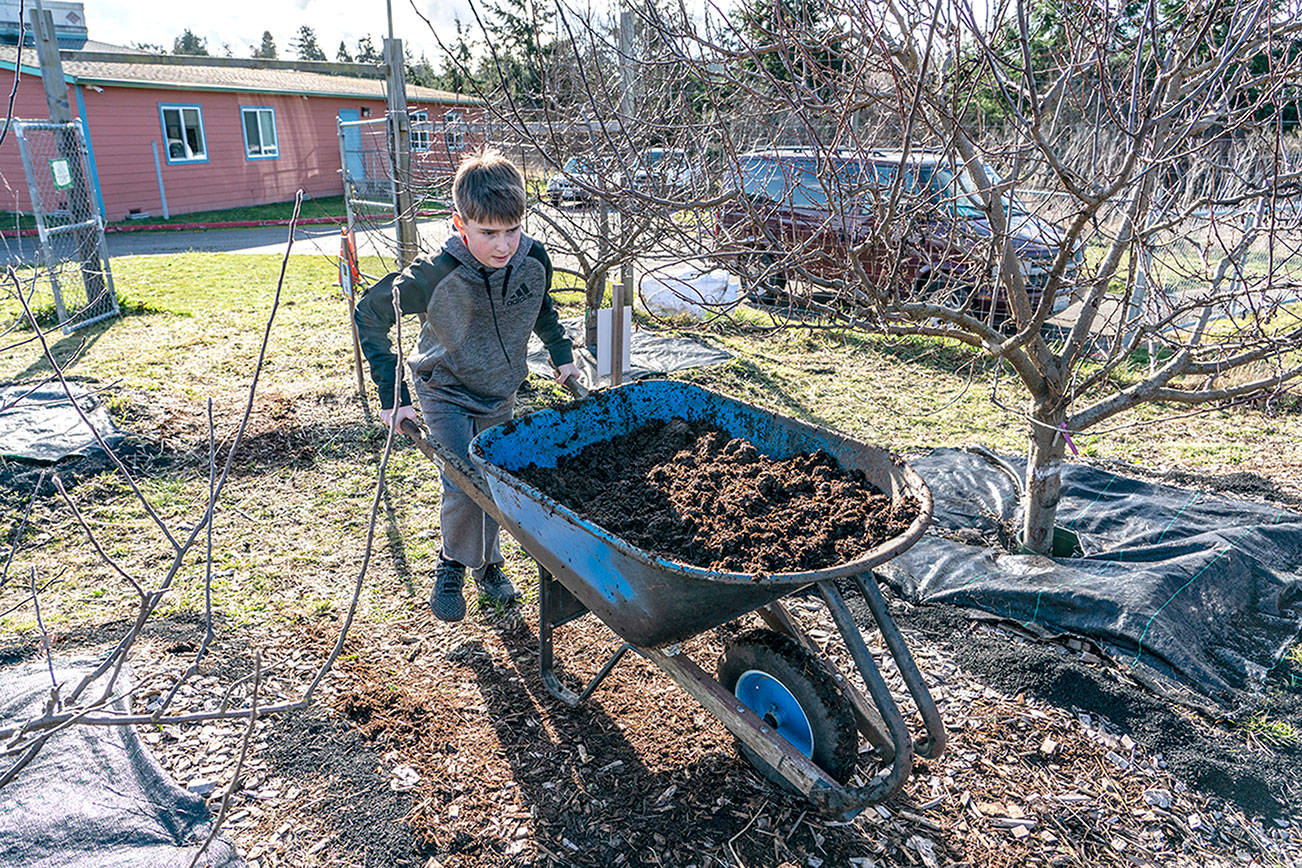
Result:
{"points": [[1043, 479]]}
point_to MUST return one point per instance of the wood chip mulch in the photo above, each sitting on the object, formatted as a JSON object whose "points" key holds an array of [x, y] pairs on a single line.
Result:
{"points": [[437, 745]]}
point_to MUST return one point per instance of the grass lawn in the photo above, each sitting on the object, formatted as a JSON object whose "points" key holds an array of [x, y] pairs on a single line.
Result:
{"points": [[289, 532], [325, 206]]}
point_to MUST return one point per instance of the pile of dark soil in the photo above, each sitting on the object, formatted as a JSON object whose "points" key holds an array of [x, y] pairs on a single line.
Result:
{"points": [[693, 493], [317, 745], [1262, 779]]}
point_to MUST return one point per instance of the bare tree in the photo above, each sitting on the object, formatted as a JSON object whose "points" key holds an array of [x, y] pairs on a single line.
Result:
{"points": [[615, 130], [91, 701], [1104, 200]]}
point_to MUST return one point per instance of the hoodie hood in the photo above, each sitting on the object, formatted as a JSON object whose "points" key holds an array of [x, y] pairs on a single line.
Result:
{"points": [[456, 246]]}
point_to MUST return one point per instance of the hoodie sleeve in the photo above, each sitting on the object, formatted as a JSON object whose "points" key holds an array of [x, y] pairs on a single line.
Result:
{"points": [[374, 317], [548, 326]]}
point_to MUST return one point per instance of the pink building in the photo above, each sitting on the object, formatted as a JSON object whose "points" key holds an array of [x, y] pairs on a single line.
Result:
{"points": [[227, 132]]}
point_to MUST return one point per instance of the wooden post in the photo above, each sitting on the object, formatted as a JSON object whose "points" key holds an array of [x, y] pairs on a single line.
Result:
{"points": [[400, 153], [623, 293], [70, 149]]}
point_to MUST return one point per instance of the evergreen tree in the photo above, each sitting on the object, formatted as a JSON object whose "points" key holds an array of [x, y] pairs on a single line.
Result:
{"points": [[514, 30], [455, 74], [304, 44], [808, 51], [149, 47], [366, 52], [189, 43], [420, 72], [268, 48], [342, 54]]}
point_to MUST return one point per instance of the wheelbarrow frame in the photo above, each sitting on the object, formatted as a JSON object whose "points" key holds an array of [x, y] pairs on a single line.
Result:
{"points": [[877, 716]]}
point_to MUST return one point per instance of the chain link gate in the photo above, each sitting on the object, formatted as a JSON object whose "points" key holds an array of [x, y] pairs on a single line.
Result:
{"points": [[68, 221]]}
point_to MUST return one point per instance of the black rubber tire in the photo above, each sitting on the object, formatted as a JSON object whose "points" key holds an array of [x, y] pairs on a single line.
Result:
{"points": [[836, 737], [769, 290]]}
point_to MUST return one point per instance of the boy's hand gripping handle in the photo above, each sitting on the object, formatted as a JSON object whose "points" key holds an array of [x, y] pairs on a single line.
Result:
{"points": [[575, 387]]}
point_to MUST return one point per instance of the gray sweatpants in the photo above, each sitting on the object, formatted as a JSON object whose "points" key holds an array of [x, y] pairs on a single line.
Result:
{"points": [[470, 536]]}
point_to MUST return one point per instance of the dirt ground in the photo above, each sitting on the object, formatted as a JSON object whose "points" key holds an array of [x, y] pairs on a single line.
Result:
{"points": [[437, 744]]}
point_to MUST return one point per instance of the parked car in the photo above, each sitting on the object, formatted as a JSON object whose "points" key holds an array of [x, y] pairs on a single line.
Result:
{"points": [[573, 183], [822, 206], [665, 171]]}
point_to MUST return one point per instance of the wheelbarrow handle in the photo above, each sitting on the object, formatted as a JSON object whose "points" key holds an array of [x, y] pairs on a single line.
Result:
{"points": [[575, 387], [456, 468], [412, 430]]}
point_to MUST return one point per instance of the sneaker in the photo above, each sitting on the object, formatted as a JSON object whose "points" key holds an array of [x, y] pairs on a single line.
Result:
{"points": [[446, 599], [494, 585]]}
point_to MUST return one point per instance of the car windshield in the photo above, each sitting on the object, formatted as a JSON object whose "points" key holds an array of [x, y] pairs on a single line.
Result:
{"points": [[578, 166], [801, 182], [959, 189], [656, 160]]}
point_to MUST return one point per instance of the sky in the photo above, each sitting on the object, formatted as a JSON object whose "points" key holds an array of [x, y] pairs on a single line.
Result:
{"points": [[240, 23]]}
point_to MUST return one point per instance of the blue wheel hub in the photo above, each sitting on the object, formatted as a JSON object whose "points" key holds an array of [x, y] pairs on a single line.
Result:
{"points": [[770, 699]]}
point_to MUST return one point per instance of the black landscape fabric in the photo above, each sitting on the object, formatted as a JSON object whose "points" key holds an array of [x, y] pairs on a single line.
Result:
{"points": [[1198, 586], [41, 424], [94, 797]]}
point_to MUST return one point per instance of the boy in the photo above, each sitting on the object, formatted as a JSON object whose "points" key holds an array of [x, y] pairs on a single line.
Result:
{"points": [[481, 297]]}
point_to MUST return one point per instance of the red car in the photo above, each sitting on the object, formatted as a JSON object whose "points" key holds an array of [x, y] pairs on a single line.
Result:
{"points": [[801, 207]]}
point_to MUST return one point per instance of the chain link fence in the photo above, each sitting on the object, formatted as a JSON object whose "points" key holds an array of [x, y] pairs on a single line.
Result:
{"points": [[76, 272], [369, 176]]}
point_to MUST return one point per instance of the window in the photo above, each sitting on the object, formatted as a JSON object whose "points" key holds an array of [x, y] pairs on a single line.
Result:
{"points": [[419, 130], [454, 131], [183, 133], [260, 142]]}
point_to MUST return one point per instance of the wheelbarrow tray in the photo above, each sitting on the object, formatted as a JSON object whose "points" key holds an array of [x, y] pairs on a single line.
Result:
{"points": [[647, 599]]}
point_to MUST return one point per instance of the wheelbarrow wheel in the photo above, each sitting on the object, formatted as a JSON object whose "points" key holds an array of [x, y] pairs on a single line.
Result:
{"points": [[782, 682]]}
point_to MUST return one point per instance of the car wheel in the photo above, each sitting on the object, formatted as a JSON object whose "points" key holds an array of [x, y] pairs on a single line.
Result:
{"points": [[785, 685], [769, 285]]}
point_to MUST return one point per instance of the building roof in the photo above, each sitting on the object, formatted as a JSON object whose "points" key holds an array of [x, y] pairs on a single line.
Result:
{"points": [[242, 75]]}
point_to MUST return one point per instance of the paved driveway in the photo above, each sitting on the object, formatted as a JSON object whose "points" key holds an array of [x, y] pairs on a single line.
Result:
{"points": [[308, 240]]}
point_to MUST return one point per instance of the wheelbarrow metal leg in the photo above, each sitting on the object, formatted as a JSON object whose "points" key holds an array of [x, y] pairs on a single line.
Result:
{"points": [[869, 721], [934, 744], [556, 606], [888, 781], [794, 766]]}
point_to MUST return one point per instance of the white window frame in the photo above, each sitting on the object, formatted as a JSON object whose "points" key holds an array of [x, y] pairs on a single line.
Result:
{"points": [[419, 138], [257, 111], [454, 131], [188, 155]]}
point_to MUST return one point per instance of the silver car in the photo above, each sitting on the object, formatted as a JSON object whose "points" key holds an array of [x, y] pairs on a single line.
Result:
{"points": [[574, 182]]}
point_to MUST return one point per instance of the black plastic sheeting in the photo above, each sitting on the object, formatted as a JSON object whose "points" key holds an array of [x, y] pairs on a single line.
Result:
{"points": [[649, 354], [1197, 586], [42, 424], [94, 797]]}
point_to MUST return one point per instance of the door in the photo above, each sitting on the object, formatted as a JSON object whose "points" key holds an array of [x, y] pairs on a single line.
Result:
{"points": [[354, 163]]}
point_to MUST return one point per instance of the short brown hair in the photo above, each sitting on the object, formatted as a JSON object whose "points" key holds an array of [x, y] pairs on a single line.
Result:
{"points": [[488, 188]]}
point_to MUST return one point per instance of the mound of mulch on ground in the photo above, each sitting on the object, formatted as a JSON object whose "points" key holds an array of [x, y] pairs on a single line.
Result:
{"points": [[693, 493]]}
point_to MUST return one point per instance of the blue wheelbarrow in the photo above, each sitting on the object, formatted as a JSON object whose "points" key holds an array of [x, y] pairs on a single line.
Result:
{"points": [[795, 717]]}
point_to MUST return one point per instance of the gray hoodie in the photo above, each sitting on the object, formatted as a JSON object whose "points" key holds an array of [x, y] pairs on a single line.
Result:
{"points": [[473, 343]]}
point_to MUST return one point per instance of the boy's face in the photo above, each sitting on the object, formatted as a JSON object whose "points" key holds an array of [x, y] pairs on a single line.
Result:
{"points": [[493, 244]]}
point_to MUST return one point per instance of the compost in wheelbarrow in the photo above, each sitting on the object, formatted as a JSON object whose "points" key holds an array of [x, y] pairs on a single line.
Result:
{"points": [[694, 494], [648, 599]]}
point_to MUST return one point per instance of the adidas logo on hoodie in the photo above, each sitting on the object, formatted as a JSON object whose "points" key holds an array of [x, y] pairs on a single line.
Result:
{"points": [[520, 294]]}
